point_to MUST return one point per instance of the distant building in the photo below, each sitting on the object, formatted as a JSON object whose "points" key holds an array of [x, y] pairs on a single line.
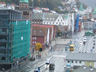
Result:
{"points": [[94, 14], [81, 69], [43, 34], [81, 59], [53, 19], [94, 27], [25, 9], [88, 24]]}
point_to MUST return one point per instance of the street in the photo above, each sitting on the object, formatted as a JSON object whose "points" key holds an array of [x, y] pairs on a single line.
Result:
{"points": [[47, 36], [57, 55]]}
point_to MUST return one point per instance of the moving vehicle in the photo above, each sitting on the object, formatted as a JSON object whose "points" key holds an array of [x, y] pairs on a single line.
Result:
{"points": [[71, 47]]}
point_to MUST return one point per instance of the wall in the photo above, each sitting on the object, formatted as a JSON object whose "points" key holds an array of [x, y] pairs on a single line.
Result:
{"points": [[62, 41], [77, 63], [36, 39]]}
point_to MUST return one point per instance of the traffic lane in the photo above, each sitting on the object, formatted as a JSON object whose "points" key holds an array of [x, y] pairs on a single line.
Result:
{"points": [[42, 61], [60, 47], [33, 65], [59, 64]]}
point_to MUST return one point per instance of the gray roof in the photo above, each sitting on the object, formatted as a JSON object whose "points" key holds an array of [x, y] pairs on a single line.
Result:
{"points": [[81, 69], [37, 16], [48, 16], [81, 56]]}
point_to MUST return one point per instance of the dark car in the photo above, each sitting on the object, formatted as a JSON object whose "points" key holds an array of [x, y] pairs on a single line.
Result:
{"points": [[51, 67]]}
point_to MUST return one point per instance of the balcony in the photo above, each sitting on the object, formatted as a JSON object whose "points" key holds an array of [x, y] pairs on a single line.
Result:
{"points": [[5, 62], [2, 47], [3, 40], [3, 33]]}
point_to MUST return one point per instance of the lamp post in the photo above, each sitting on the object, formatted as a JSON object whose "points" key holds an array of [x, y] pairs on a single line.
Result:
{"points": [[32, 4]]}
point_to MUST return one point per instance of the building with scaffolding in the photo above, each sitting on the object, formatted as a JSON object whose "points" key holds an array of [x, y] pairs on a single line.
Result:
{"points": [[14, 38]]}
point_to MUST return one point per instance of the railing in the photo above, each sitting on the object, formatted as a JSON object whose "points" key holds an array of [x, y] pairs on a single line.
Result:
{"points": [[4, 61], [3, 40], [3, 33], [2, 47], [4, 25]]}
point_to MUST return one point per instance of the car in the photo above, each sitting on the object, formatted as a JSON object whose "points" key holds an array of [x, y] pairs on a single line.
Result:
{"points": [[36, 70], [51, 67], [48, 61]]}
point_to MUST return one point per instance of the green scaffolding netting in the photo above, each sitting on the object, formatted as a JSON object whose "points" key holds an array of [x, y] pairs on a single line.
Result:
{"points": [[21, 39]]}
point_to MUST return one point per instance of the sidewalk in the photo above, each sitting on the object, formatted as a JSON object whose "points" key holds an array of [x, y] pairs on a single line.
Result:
{"points": [[43, 54]]}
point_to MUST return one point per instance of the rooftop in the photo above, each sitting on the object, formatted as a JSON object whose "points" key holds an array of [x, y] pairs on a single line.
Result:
{"points": [[81, 56], [6, 9], [84, 69], [48, 16], [26, 1]]}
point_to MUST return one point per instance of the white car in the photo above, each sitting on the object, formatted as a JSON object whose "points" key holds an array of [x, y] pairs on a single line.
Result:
{"points": [[85, 39]]}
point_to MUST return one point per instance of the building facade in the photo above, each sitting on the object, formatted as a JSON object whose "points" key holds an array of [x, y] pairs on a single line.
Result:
{"points": [[14, 46], [54, 19], [42, 34], [81, 59]]}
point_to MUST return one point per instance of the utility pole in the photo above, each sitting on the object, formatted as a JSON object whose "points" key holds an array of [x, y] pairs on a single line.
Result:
{"points": [[32, 4]]}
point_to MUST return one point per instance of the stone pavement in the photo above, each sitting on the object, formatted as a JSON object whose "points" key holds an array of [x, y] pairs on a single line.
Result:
{"points": [[43, 54]]}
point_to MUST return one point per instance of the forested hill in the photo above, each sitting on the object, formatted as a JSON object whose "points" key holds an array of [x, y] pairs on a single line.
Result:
{"points": [[39, 3]]}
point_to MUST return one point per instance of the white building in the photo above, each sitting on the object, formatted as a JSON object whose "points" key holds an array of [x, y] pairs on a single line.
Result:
{"points": [[64, 20], [59, 19], [81, 59]]}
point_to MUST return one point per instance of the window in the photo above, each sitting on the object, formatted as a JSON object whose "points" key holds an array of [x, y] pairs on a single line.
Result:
{"points": [[75, 61], [4, 29], [3, 58], [93, 47], [33, 42], [72, 61], [79, 61], [68, 61], [25, 13], [45, 22]]}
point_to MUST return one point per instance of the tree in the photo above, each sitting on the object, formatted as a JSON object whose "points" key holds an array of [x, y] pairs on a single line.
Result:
{"points": [[38, 46]]}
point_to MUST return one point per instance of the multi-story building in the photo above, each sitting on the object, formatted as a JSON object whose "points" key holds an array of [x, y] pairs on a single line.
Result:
{"points": [[14, 38], [42, 34], [88, 25], [25, 9]]}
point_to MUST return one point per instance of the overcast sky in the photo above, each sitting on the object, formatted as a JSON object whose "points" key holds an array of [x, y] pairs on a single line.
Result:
{"points": [[91, 3]]}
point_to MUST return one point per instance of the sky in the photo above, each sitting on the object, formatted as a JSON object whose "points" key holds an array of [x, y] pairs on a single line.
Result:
{"points": [[90, 3]]}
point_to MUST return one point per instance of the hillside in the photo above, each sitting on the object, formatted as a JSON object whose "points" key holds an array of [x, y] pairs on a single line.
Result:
{"points": [[51, 4]]}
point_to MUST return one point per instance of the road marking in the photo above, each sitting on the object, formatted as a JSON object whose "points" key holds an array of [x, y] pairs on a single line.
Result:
{"points": [[62, 56]]}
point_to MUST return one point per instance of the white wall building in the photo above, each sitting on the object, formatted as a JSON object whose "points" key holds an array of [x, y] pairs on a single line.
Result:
{"points": [[66, 20], [81, 59], [59, 19]]}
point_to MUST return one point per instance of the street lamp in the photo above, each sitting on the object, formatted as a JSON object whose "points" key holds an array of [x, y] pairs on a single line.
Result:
{"points": [[32, 4]]}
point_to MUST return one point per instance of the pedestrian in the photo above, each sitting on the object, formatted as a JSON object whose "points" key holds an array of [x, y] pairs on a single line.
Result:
{"points": [[51, 49]]}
